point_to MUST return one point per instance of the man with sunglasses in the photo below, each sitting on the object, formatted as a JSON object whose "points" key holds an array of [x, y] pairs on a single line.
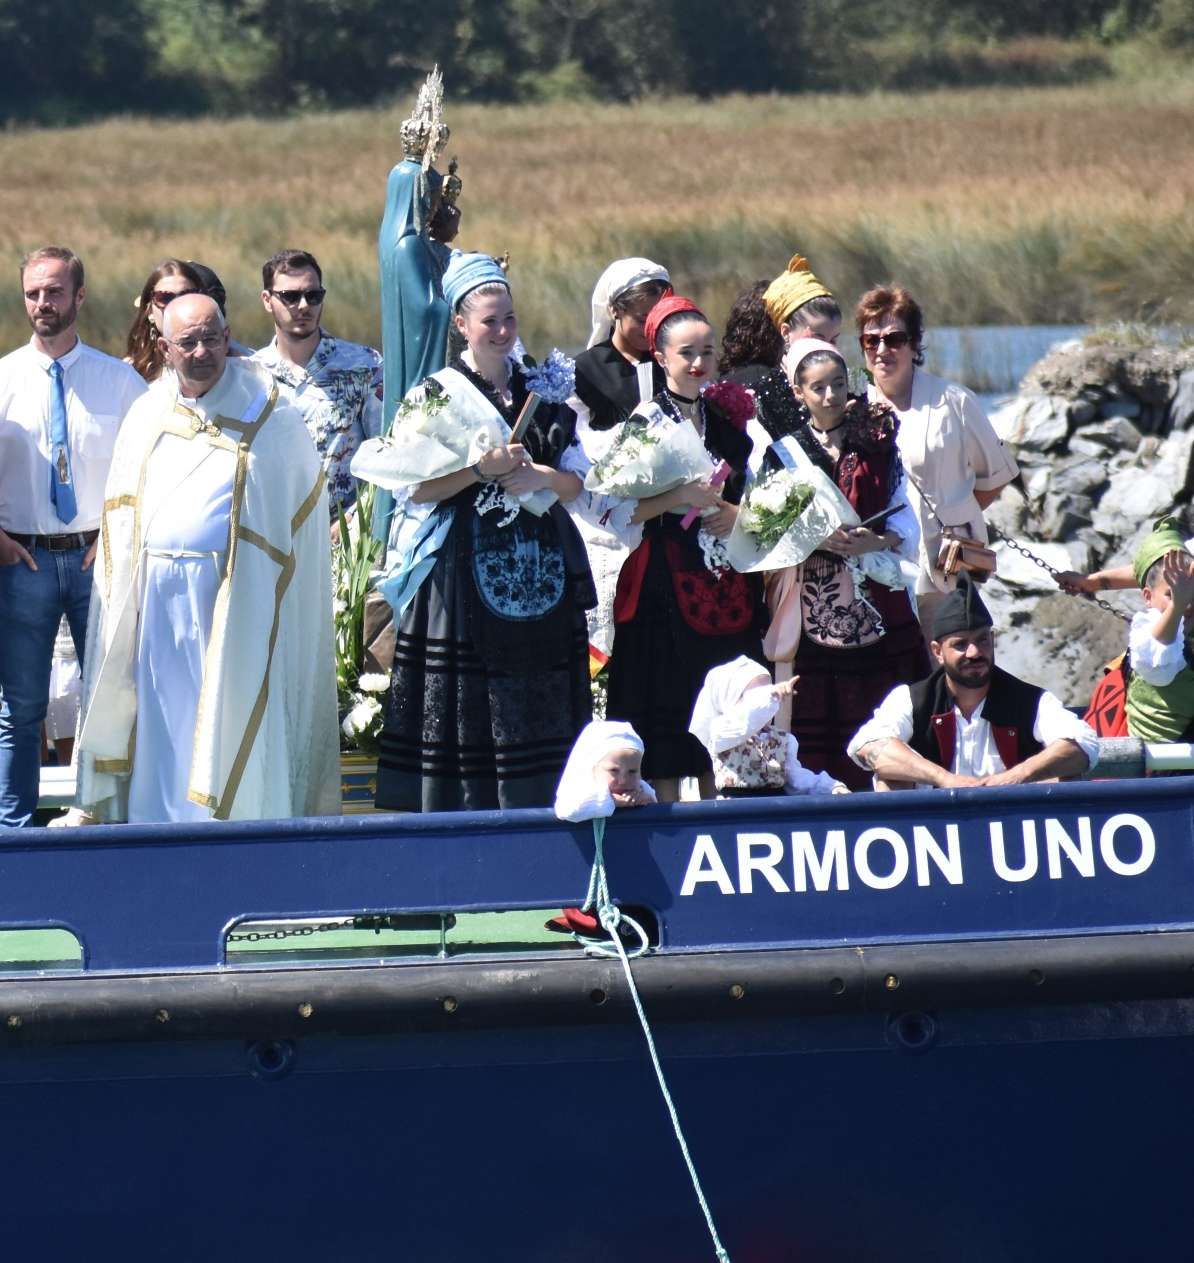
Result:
{"points": [[61, 405], [337, 385]]}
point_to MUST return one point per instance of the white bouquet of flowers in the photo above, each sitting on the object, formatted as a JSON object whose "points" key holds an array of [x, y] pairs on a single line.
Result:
{"points": [[361, 725], [428, 439], [650, 455], [783, 518], [435, 434]]}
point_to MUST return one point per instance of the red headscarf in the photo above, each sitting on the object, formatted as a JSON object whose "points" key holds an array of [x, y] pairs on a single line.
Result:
{"points": [[665, 307]]}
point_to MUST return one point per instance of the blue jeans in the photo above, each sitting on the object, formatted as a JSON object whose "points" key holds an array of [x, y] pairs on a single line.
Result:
{"points": [[32, 603]]}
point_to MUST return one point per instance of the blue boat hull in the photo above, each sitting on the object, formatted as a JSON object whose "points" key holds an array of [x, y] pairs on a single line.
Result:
{"points": [[981, 1069]]}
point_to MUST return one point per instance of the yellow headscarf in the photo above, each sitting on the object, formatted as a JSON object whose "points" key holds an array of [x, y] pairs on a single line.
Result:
{"points": [[792, 289]]}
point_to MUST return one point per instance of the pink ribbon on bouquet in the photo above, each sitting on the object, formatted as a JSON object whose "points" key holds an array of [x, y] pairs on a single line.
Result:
{"points": [[720, 474]]}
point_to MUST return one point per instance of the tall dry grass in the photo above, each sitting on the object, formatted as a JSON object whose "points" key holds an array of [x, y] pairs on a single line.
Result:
{"points": [[1050, 205]]}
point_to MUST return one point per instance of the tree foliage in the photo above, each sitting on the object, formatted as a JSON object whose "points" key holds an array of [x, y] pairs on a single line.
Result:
{"points": [[277, 55]]}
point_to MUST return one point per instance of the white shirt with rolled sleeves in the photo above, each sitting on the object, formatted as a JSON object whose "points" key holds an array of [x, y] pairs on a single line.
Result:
{"points": [[950, 447], [98, 391], [975, 752]]}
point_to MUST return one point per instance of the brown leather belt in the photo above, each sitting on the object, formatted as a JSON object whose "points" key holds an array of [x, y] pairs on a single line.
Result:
{"points": [[56, 543]]}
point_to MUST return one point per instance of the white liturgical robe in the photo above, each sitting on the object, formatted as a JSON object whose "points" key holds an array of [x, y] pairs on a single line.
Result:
{"points": [[211, 615]]}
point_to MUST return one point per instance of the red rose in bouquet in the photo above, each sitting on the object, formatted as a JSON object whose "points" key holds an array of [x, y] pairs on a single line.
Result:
{"points": [[737, 402]]}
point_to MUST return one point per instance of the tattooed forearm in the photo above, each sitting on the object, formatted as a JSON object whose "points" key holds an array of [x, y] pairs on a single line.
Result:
{"points": [[872, 752]]}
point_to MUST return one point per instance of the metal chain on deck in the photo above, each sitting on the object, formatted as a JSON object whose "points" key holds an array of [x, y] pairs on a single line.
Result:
{"points": [[1044, 565], [374, 923]]}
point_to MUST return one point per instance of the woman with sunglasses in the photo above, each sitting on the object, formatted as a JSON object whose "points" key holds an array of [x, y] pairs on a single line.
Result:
{"points": [[165, 283], [955, 461]]}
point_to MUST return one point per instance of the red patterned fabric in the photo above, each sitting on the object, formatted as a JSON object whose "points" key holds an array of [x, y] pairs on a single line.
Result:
{"points": [[1108, 713], [712, 605], [630, 583]]}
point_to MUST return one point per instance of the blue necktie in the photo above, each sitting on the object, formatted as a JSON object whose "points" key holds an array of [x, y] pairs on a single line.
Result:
{"points": [[62, 490]]}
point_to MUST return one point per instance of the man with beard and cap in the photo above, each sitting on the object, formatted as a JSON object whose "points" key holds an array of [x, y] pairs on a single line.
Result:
{"points": [[970, 723], [61, 405], [209, 684]]}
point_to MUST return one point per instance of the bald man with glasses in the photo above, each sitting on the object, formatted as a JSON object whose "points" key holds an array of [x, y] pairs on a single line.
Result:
{"points": [[337, 385], [209, 683]]}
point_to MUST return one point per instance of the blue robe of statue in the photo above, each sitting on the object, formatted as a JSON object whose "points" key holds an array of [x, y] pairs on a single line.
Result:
{"points": [[414, 316]]}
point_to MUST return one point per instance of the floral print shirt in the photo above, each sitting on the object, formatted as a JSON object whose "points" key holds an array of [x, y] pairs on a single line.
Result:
{"points": [[339, 393]]}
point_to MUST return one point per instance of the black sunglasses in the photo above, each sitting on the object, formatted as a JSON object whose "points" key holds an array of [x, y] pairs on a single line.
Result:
{"points": [[895, 340], [292, 297]]}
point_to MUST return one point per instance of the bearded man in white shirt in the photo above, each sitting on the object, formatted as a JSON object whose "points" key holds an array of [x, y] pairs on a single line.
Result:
{"points": [[61, 405], [970, 723]]}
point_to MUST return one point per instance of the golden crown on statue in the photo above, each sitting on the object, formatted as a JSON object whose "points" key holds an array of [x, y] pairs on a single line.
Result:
{"points": [[425, 133]]}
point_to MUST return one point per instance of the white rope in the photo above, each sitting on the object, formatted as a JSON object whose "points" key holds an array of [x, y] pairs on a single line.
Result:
{"points": [[611, 917]]}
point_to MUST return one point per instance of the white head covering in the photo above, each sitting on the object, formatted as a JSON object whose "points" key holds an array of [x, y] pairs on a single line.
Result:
{"points": [[801, 347], [720, 699], [579, 796], [616, 280]]}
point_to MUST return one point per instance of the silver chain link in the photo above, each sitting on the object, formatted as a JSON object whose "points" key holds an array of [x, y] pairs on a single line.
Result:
{"points": [[374, 923], [1044, 565]]}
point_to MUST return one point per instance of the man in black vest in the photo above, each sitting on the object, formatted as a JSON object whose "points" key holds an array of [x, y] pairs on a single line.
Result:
{"points": [[970, 723]]}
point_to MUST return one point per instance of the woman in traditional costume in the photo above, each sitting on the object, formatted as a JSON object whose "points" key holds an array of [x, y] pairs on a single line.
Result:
{"points": [[613, 376], [752, 352], [856, 638], [490, 683], [800, 306], [617, 372], [956, 462], [675, 617], [170, 279]]}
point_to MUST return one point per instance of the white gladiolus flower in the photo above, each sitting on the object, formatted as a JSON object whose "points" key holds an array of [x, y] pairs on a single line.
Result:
{"points": [[373, 682]]}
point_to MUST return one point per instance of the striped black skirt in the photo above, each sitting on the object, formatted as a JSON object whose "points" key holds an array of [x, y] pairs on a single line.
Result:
{"points": [[480, 716]]}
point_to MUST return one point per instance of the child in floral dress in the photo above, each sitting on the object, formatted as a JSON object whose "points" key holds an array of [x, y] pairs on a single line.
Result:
{"points": [[734, 719]]}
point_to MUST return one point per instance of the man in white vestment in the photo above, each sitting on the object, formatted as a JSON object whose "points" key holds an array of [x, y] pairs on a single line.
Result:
{"points": [[209, 683]]}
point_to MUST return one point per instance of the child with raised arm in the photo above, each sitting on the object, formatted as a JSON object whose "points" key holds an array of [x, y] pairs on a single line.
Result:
{"points": [[603, 773], [734, 719], [1160, 701]]}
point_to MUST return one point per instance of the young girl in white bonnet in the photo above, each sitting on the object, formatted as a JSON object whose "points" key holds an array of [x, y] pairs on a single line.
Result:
{"points": [[734, 719], [603, 773]]}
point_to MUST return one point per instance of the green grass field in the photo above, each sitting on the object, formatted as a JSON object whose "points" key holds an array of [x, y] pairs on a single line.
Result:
{"points": [[994, 205]]}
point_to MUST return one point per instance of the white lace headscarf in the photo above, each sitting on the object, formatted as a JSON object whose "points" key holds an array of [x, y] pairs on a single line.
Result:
{"points": [[579, 795], [614, 281], [728, 709]]}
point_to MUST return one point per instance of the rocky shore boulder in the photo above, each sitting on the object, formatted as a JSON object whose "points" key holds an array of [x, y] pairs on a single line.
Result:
{"points": [[1103, 429]]}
